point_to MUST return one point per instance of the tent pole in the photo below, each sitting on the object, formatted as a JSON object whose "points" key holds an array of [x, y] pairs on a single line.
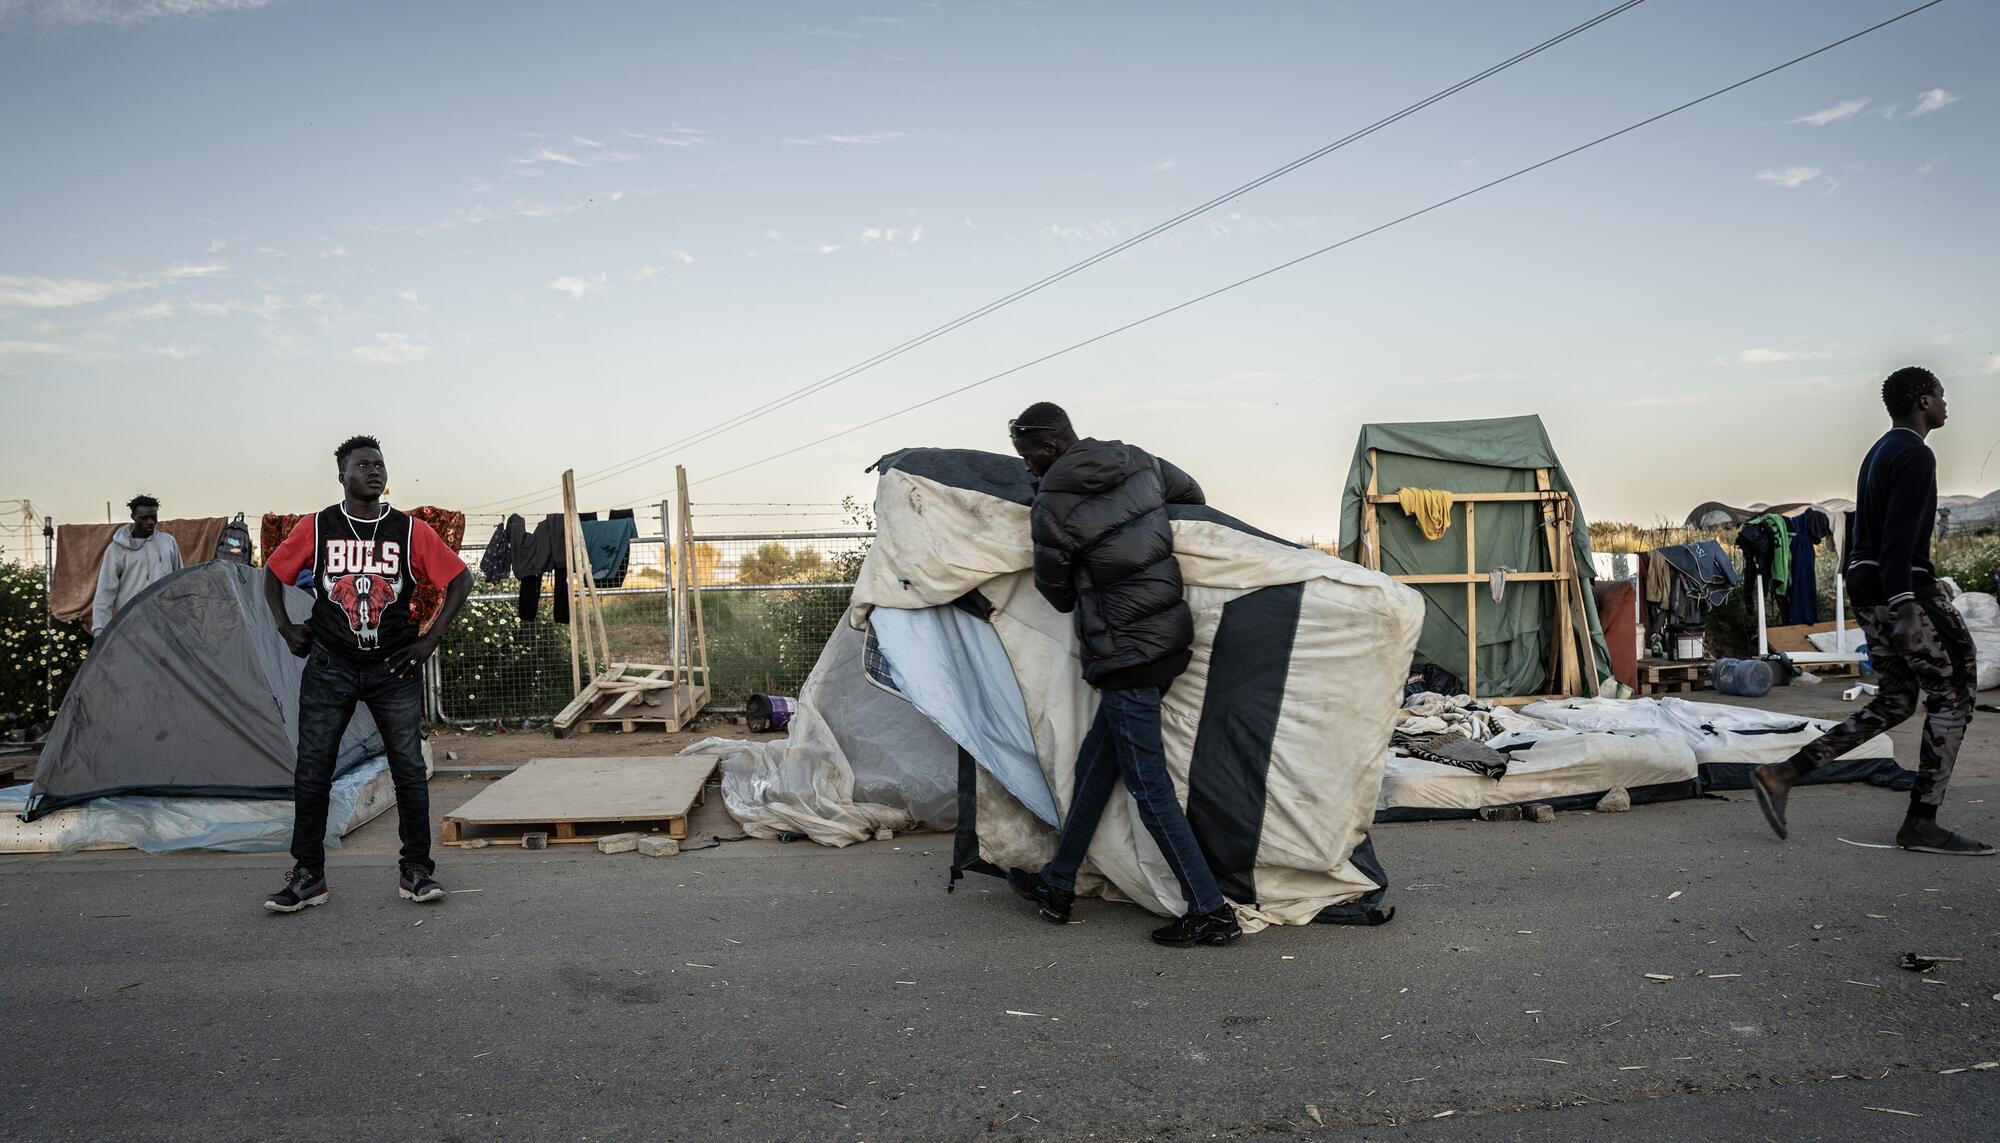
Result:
{"points": [[1763, 635], [700, 628]]}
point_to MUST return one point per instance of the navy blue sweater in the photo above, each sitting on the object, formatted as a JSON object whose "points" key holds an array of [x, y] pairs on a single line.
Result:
{"points": [[1895, 507]]}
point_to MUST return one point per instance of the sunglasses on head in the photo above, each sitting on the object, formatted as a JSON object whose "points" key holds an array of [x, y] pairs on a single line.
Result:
{"points": [[1016, 429]]}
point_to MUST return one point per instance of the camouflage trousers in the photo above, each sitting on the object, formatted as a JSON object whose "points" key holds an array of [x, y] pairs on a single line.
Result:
{"points": [[1940, 668]]}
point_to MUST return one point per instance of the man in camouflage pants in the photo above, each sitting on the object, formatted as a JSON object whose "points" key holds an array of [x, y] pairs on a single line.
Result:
{"points": [[1916, 639]]}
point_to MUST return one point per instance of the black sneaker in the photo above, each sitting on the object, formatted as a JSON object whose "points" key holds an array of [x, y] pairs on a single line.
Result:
{"points": [[1217, 928], [303, 889], [418, 885], [1052, 903]]}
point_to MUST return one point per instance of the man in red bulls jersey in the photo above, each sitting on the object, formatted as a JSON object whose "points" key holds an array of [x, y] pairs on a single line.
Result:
{"points": [[361, 647]]}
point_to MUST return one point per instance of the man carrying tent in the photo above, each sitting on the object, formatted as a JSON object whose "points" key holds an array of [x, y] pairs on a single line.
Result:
{"points": [[361, 646], [138, 556], [1104, 551], [1916, 639]]}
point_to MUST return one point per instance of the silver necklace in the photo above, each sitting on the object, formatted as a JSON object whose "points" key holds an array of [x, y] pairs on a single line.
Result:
{"points": [[372, 532]]}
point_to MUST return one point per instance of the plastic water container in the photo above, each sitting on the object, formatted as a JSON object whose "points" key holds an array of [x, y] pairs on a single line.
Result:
{"points": [[1745, 678]]}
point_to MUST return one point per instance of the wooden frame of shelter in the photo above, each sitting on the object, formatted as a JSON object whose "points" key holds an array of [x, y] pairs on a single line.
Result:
{"points": [[624, 695], [1558, 533]]}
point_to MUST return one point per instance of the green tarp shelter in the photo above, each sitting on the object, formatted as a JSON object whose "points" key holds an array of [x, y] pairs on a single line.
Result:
{"points": [[1500, 455]]}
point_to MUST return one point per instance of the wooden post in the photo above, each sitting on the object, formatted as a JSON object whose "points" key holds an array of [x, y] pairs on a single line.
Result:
{"points": [[569, 580], [1373, 524], [1563, 670], [687, 528], [1471, 603]]}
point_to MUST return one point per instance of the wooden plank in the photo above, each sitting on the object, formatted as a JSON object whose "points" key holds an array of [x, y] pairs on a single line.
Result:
{"points": [[1478, 578], [569, 582], [627, 693], [1481, 497], [687, 522], [1471, 602], [572, 790], [1371, 527]]}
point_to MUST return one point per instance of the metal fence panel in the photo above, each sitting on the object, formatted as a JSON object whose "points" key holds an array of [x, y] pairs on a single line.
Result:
{"points": [[770, 600]]}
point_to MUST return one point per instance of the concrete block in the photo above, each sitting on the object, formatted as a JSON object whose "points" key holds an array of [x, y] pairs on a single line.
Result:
{"points": [[1540, 813], [885, 835], [1500, 813], [534, 841], [659, 846], [476, 843], [1615, 801], [619, 843]]}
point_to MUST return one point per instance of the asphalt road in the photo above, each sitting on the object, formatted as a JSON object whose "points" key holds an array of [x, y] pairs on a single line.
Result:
{"points": [[757, 991]]}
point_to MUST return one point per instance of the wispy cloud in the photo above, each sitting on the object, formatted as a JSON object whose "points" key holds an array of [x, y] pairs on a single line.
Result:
{"points": [[1847, 109], [1761, 356], [577, 287], [1166, 164], [830, 33], [1790, 178], [674, 136], [1936, 99], [891, 235], [1992, 365], [177, 352], [388, 349], [30, 349], [865, 140], [1930, 166], [520, 208], [649, 271], [18, 292], [119, 11]]}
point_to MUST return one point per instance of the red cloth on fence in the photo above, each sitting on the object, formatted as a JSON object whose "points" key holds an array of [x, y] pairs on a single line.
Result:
{"points": [[449, 525]]}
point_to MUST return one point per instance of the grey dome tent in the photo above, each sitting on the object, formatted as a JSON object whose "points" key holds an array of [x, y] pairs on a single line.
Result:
{"points": [[190, 691]]}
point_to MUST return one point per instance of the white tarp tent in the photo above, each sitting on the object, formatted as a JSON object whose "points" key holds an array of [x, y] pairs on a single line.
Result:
{"points": [[1276, 735]]}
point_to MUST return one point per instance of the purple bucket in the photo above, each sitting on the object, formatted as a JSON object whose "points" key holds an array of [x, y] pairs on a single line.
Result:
{"points": [[766, 713]]}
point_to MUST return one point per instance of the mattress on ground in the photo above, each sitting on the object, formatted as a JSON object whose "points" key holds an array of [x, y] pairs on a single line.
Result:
{"points": [[1565, 768], [1729, 741], [173, 825]]}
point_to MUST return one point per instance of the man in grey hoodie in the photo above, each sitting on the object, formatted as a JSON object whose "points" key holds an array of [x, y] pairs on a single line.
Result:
{"points": [[139, 555]]}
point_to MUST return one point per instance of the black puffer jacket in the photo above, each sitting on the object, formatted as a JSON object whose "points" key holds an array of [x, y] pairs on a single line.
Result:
{"points": [[1104, 550]]}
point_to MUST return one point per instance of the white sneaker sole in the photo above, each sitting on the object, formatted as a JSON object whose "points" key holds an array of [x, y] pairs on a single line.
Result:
{"points": [[408, 895], [308, 903]]}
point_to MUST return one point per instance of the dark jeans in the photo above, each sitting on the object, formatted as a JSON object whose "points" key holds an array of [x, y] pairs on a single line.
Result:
{"points": [[1124, 740], [328, 692]]}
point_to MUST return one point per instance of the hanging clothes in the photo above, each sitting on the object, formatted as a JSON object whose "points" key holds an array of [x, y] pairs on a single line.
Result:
{"points": [[1431, 507], [610, 545], [1780, 579], [1809, 528], [539, 555], [510, 537]]}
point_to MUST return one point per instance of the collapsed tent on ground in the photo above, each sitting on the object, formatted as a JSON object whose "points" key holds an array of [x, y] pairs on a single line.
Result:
{"points": [[1276, 734], [1495, 526], [190, 691], [1570, 753]]}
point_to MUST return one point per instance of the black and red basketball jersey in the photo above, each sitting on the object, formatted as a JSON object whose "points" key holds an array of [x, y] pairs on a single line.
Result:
{"points": [[363, 575]]}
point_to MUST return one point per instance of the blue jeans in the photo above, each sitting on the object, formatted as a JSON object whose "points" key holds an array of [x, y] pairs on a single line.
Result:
{"points": [[328, 693], [1125, 740]]}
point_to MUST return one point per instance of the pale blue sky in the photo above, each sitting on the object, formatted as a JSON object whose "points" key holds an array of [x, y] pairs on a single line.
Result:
{"points": [[511, 238]]}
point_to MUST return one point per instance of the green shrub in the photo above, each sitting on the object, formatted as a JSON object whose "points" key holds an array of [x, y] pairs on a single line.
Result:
{"points": [[38, 658], [492, 665]]}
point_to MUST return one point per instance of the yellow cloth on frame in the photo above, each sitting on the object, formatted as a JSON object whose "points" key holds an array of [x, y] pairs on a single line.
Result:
{"points": [[1431, 507]]}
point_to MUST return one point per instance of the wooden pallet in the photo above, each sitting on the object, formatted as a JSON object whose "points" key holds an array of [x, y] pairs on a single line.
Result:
{"points": [[1668, 677], [574, 800]]}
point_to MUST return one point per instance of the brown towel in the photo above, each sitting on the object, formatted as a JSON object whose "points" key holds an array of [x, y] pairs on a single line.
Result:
{"points": [[80, 552]]}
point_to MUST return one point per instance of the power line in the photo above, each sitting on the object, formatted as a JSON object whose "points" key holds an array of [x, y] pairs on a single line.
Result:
{"points": [[1349, 240], [933, 334]]}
